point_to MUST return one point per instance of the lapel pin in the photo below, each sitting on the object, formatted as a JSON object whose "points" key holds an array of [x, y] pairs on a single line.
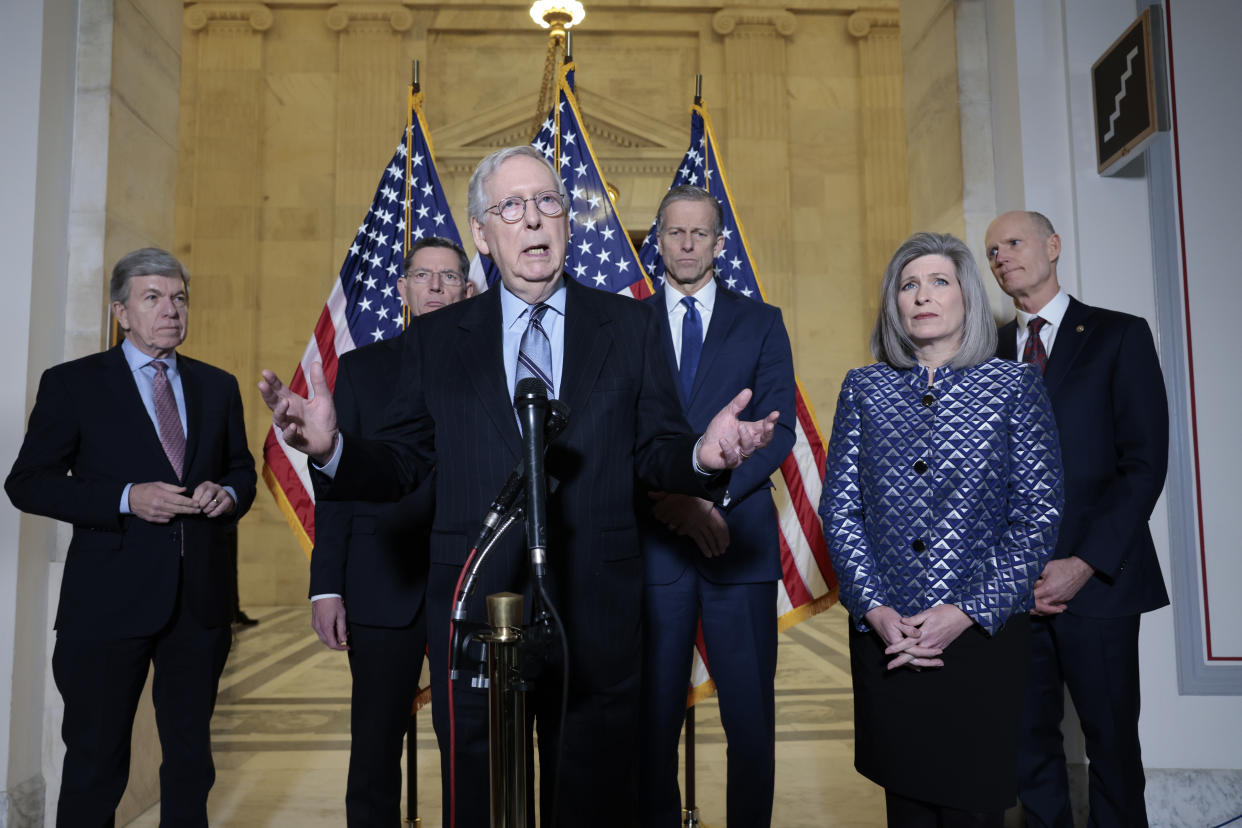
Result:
{"points": [[1080, 329]]}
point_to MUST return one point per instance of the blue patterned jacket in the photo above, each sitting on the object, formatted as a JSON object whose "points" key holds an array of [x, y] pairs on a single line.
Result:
{"points": [[945, 495]]}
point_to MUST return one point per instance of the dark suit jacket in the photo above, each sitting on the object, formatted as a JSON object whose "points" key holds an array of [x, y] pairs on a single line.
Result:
{"points": [[88, 436], [746, 347], [374, 555], [453, 411], [1107, 392]]}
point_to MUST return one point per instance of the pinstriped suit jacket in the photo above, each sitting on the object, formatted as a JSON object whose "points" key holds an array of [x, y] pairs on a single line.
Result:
{"points": [[453, 413]]}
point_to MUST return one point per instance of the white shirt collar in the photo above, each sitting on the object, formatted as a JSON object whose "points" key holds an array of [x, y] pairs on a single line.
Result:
{"points": [[136, 359], [1052, 313], [705, 296]]}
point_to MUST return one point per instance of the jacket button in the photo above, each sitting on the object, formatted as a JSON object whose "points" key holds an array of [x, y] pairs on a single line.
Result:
{"points": [[920, 466], [928, 399], [918, 545]]}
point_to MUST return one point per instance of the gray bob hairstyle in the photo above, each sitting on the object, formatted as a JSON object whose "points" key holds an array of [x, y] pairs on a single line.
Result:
{"points": [[889, 341], [477, 204]]}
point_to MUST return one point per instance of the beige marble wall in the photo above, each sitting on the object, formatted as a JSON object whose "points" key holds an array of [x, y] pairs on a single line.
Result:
{"points": [[933, 123], [799, 101], [122, 196]]}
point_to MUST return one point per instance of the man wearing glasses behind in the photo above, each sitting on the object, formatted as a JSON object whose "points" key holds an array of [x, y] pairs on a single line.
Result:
{"points": [[369, 565], [601, 354]]}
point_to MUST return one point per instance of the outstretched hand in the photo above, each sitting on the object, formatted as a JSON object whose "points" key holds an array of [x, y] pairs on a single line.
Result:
{"points": [[728, 441], [308, 425]]}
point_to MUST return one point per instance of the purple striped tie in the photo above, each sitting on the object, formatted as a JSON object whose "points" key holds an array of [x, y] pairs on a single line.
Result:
{"points": [[167, 418]]}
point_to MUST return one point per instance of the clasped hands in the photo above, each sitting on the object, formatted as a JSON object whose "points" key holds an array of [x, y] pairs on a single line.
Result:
{"points": [[693, 517], [920, 640], [159, 502], [309, 425]]}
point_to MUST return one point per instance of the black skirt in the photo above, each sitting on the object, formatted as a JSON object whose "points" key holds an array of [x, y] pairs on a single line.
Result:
{"points": [[946, 735]]}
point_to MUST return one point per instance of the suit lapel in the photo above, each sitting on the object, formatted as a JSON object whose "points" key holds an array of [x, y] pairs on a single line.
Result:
{"points": [[657, 301], [1074, 332], [482, 353], [724, 314], [587, 342], [192, 388], [1007, 341]]}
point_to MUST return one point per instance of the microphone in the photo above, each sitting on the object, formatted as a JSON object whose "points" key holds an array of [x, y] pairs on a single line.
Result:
{"points": [[531, 403], [558, 418]]}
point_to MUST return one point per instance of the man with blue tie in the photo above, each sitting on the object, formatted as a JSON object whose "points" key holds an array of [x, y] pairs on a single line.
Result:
{"points": [[1103, 377], [143, 450], [716, 561]]}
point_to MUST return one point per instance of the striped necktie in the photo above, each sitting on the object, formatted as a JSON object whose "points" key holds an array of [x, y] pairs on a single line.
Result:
{"points": [[535, 353], [172, 437]]}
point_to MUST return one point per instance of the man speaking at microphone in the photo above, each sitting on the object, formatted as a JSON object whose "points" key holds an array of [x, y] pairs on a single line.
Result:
{"points": [[601, 355]]}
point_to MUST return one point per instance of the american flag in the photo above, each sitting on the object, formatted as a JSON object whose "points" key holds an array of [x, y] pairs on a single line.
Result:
{"points": [[600, 253], [364, 306], [809, 585]]}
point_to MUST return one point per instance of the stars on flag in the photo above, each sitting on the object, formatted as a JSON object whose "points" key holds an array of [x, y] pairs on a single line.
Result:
{"points": [[374, 259], [599, 253], [699, 165]]}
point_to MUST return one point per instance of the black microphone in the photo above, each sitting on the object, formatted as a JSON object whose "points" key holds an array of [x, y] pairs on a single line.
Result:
{"points": [[531, 403], [558, 418]]}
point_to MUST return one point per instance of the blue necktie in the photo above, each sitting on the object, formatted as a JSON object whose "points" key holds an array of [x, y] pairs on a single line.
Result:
{"points": [[535, 352], [691, 345]]}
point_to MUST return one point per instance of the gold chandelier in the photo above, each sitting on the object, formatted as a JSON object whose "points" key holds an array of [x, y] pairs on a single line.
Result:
{"points": [[557, 15]]}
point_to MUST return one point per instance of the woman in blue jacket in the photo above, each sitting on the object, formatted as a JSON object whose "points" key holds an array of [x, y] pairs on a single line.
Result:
{"points": [[941, 504]]}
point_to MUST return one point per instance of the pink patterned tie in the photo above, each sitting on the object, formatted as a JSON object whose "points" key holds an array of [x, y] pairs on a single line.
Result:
{"points": [[166, 416]]}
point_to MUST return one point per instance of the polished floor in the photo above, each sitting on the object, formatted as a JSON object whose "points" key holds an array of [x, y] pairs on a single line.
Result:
{"points": [[281, 734]]}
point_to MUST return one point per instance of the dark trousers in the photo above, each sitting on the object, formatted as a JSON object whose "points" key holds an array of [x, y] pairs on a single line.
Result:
{"points": [[739, 630], [913, 813], [100, 680], [594, 781], [385, 664], [1097, 660]]}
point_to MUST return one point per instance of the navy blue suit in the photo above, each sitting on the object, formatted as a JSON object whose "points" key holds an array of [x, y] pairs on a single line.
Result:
{"points": [[1108, 395], [374, 555], [135, 592], [746, 346]]}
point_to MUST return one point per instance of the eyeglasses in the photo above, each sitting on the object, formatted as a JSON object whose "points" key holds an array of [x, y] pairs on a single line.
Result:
{"points": [[447, 277], [513, 208]]}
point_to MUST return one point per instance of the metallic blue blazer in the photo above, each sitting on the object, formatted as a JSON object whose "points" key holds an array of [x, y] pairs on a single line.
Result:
{"points": [[944, 495]]}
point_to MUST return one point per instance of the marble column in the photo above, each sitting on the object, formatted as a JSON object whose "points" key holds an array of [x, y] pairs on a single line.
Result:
{"points": [[226, 180], [886, 207], [372, 78], [757, 128]]}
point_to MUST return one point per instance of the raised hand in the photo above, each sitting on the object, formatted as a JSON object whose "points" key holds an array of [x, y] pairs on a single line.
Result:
{"points": [[307, 425], [728, 441]]}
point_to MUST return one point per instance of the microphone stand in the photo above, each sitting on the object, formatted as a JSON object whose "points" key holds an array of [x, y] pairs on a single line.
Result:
{"points": [[507, 677]]}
